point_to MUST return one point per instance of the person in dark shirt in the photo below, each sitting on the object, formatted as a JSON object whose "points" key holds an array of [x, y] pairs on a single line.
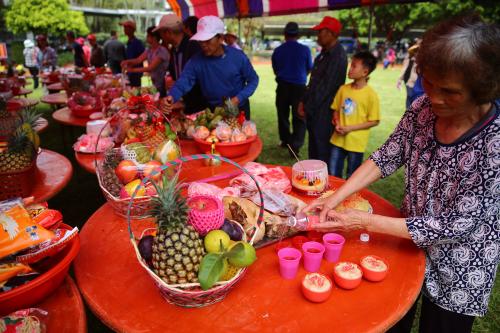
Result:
{"points": [[79, 57], [189, 25], [114, 53], [96, 54], [171, 30], [134, 49], [291, 63], [328, 74]]}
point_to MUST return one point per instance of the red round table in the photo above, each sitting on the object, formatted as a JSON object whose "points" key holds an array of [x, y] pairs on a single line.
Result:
{"points": [[25, 102], [55, 99], [53, 172], [191, 170], [66, 117], [124, 297], [65, 308], [23, 91], [55, 87]]}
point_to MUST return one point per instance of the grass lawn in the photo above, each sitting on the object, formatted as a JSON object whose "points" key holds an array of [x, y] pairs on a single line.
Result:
{"points": [[82, 195]]}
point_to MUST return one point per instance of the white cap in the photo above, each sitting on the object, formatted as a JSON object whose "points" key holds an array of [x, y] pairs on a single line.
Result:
{"points": [[28, 43], [169, 21], [364, 237], [208, 27]]}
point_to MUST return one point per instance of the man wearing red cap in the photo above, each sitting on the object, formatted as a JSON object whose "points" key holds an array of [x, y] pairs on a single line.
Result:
{"points": [[328, 74], [96, 54]]}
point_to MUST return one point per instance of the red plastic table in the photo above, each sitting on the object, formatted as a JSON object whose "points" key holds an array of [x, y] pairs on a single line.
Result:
{"points": [[25, 102], [55, 87], [41, 125], [53, 173], [192, 169], [55, 99], [66, 117], [66, 309], [23, 92], [124, 297]]}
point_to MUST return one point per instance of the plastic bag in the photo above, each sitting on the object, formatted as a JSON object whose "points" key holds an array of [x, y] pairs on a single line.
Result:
{"points": [[31, 320], [238, 136], [223, 131], [17, 230], [249, 128]]}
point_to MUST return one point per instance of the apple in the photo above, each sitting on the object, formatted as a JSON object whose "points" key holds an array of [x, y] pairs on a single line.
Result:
{"points": [[316, 287], [126, 171], [151, 167], [129, 189]]}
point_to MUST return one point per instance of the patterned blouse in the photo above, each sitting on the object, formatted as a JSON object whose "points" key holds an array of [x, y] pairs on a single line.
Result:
{"points": [[451, 204]]}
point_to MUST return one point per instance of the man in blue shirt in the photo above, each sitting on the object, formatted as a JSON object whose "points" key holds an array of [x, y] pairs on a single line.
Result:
{"points": [[134, 49], [291, 64], [221, 71]]}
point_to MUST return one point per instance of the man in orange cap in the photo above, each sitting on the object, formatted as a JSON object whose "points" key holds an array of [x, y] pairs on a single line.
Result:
{"points": [[96, 54], [328, 74]]}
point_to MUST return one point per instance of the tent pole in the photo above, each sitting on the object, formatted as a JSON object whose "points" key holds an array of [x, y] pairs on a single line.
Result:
{"points": [[239, 28], [370, 28]]}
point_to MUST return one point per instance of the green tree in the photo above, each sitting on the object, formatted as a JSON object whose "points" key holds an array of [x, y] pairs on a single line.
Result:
{"points": [[394, 20], [44, 16]]}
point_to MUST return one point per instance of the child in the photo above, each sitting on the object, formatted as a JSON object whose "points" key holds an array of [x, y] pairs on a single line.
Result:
{"points": [[355, 109]]}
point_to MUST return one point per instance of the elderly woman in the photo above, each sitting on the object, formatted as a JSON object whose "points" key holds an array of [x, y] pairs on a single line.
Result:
{"points": [[449, 143], [157, 56]]}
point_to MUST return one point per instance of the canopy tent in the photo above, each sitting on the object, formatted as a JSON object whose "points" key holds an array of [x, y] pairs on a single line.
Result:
{"points": [[255, 8]]}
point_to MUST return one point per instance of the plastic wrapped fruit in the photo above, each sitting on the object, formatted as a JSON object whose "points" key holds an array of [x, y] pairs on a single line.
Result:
{"points": [[223, 131], [167, 151], [201, 132], [238, 136], [316, 287], [249, 128]]}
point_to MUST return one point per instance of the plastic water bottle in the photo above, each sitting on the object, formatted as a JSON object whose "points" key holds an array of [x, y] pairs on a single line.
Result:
{"points": [[302, 221]]}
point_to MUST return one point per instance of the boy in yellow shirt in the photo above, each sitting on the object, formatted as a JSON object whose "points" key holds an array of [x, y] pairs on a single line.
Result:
{"points": [[356, 109]]}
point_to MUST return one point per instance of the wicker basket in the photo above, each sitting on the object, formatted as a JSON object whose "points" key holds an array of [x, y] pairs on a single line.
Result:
{"points": [[16, 184], [191, 295], [141, 208]]}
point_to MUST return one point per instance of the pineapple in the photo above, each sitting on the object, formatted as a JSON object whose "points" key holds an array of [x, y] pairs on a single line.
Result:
{"points": [[231, 113], [177, 247], [109, 178], [29, 120], [19, 153]]}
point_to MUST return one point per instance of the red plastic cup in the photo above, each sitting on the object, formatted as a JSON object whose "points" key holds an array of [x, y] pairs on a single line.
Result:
{"points": [[313, 254], [298, 241], [281, 245], [315, 236], [289, 259], [333, 246]]}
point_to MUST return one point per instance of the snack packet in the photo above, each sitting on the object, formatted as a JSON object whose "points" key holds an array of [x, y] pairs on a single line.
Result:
{"points": [[17, 230], [10, 270], [31, 320]]}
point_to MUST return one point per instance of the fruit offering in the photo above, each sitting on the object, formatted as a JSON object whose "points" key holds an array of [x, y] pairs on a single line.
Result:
{"points": [[82, 104], [316, 287], [206, 214], [374, 268], [310, 176], [347, 275]]}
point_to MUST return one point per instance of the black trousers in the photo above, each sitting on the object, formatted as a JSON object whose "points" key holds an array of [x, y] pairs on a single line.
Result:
{"points": [[434, 319], [34, 75], [288, 96], [320, 129]]}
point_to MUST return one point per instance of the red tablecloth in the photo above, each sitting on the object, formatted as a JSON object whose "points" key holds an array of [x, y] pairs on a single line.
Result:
{"points": [[41, 125], [55, 99], [66, 309], [66, 117], [53, 173], [55, 87], [124, 297], [191, 170]]}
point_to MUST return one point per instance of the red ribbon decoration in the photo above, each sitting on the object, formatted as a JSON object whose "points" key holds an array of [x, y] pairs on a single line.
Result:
{"points": [[137, 101]]}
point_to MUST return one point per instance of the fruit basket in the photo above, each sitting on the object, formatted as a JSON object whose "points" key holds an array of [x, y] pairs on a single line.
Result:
{"points": [[17, 183], [55, 269], [226, 149], [83, 104], [140, 148], [191, 294]]}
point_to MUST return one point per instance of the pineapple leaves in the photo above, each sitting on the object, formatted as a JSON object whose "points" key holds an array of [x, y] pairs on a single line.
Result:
{"points": [[211, 269]]}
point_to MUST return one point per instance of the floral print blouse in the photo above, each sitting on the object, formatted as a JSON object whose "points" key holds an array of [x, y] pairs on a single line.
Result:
{"points": [[451, 205]]}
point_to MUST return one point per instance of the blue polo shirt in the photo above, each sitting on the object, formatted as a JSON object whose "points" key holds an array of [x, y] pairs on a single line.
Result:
{"points": [[292, 62], [227, 76]]}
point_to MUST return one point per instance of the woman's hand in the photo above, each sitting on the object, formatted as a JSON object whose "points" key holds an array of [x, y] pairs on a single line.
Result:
{"points": [[124, 63], [348, 220], [325, 204]]}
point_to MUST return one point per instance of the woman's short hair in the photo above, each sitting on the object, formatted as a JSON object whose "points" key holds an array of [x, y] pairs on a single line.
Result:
{"points": [[152, 33], [466, 46]]}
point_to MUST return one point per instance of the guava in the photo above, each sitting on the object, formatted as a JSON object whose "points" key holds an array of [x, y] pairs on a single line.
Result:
{"points": [[242, 254]]}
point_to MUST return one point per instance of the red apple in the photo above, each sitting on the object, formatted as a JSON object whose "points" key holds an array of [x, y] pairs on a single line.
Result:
{"points": [[126, 171], [150, 167], [316, 287]]}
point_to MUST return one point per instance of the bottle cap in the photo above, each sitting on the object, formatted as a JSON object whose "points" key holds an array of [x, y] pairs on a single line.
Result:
{"points": [[364, 237]]}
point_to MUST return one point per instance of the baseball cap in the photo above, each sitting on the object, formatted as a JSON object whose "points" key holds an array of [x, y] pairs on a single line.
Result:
{"points": [[28, 43], [91, 37], [41, 38], [168, 21], [329, 23], [208, 27], [129, 24], [292, 28]]}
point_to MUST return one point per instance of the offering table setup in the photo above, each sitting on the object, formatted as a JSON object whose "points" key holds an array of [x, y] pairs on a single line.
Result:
{"points": [[120, 293]]}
